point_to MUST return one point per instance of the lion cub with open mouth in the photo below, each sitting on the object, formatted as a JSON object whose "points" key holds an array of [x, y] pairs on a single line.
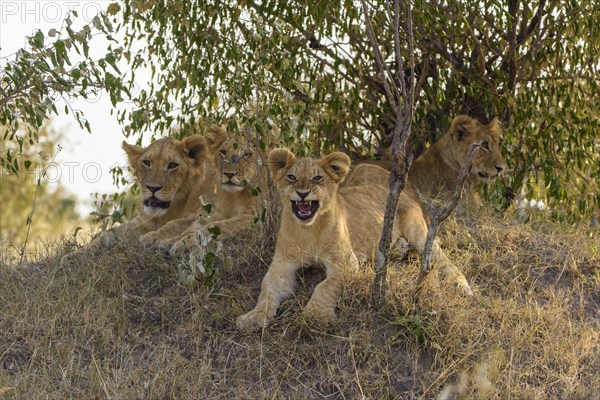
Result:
{"points": [[336, 227]]}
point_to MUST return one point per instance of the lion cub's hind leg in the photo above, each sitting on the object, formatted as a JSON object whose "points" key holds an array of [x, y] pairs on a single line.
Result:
{"points": [[448, 270], [416, 234], [400, 248]]}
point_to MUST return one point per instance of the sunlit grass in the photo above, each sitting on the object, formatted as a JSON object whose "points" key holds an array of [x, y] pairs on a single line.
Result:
{"points": [[120, 325]]}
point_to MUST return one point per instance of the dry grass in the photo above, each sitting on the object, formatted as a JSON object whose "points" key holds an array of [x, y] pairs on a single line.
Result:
{"points": [[121, 326]]}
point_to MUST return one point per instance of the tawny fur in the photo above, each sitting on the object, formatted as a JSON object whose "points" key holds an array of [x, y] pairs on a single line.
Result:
{"points": [[435, 172], [183, 171], [371, 174], [344, 231], [235, 207]]}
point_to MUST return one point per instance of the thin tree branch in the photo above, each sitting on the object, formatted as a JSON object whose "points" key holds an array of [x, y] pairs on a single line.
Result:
{"points": [[562, 78], [397, 54], [442, 213], [533, 24], [383, 68], [30, 216], [411, 55]]}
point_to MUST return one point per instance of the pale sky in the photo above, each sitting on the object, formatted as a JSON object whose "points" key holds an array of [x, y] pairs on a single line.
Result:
{"points": [[83, 165]]}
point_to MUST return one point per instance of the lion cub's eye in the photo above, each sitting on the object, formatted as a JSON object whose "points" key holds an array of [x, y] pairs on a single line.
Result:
{"points": [[317, 179], [146, 163], [292, 178], [247, 153], [172, 166], [223, 152], [485, 145]]}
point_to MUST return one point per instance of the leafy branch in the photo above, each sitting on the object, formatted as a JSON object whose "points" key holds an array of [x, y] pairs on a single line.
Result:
{"points": [[37, 77], [528, 63]]}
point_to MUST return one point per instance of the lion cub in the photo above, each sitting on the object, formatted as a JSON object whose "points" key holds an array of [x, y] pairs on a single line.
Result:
{"points": [[435, 172], [236, 202], [335, 226], [172, 174]]}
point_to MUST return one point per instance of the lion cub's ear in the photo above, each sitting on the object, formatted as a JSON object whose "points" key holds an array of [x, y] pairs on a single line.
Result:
{"points": [[462, 126], [337, 165], [280, 159], [133, 153], [215, 136], [495, 128], [195, 147]]}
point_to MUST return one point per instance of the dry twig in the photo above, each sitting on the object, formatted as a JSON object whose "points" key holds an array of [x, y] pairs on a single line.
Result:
{"points": [[440, 214]]}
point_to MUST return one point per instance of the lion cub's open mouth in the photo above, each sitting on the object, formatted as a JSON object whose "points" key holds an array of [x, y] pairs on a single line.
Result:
{"points": [[305, 209], [154, 202]]}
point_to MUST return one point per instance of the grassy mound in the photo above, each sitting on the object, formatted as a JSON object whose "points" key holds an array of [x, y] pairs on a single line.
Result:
{"points": [[122, 326]]}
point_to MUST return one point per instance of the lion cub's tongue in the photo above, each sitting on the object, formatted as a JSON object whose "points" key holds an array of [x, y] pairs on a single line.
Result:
{"points": [[304, 207]]}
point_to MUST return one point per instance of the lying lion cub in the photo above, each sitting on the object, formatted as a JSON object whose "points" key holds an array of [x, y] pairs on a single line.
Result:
{"points": [[435, 172], [337, 227], [172, 174], [236, 203]]}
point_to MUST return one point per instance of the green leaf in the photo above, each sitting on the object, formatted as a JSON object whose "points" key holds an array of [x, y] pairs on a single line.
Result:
{"points": [[113, 9], [38, 40], [110, 59], [215, 231]]}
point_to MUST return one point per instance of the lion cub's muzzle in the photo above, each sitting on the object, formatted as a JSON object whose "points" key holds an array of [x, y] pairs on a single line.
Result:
{"points": [[490, 175], [231, 182]]}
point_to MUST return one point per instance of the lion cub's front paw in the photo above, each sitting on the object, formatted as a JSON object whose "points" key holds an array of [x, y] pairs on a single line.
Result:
{"points": [[154, 239], [319, 314], [464, 287], [252, 321], [164, 245], [149, 238], [183, 245]]}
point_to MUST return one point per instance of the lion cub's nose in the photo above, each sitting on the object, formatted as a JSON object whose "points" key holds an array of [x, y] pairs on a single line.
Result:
{"points": [[302, 194], [153, 189], [229, 174]]}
